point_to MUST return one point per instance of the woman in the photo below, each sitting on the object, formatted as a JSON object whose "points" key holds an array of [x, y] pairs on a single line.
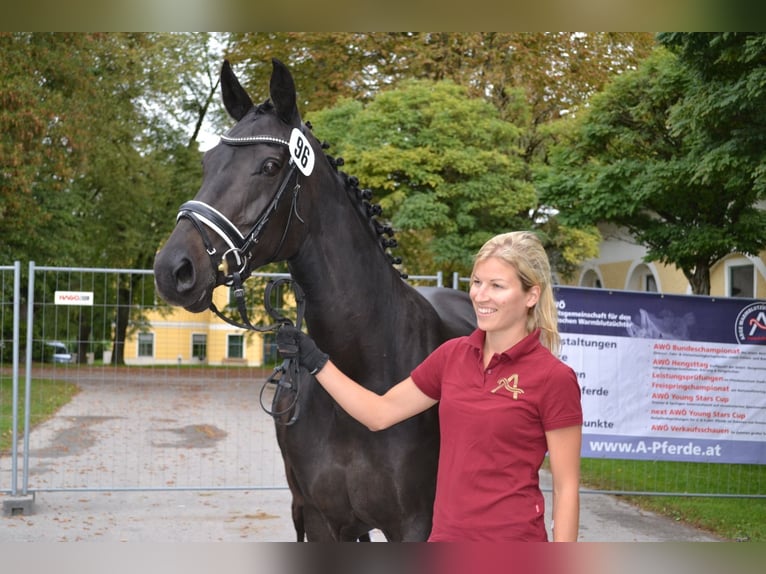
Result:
{"points": [[505, 399]]}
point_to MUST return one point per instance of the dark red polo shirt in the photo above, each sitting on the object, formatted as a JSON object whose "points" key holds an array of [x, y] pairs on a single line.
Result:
{"points": [[493, 425]]}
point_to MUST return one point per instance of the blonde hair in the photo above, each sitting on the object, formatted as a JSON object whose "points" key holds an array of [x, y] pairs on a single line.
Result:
{"points": [[524, 251]]}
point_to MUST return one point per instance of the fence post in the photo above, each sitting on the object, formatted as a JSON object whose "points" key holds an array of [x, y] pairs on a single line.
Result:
{"points": [[18, 504], [28, 374]]}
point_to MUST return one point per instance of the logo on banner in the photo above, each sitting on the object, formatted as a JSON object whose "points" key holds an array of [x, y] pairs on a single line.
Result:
{"points": [[751, 324]]}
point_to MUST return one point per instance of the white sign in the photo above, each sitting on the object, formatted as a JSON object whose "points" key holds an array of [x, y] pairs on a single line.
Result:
{"points": [[301, 151], [74, 298]]}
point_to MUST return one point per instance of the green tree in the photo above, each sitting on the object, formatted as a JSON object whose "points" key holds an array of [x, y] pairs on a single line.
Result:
{"points": [[145, 160], [558, 71], [722, 118], [445, 166], [42, 127], [639, 159], [95, 127], [98, 146]]}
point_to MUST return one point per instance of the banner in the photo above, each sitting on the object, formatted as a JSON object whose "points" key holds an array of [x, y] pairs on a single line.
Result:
{"points": [[667, 377]]}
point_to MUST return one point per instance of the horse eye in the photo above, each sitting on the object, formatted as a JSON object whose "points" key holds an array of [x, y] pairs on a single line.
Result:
{"points": [[270, 167]]}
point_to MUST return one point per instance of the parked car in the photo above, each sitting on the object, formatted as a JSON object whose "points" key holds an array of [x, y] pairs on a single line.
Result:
{"points": [[60, 352]]}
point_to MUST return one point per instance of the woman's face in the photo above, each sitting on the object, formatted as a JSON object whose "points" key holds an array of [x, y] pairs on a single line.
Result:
{"points": [[498, 297]]}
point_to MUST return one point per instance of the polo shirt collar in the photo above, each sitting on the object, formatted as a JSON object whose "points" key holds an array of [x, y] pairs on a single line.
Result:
{"points": [[527, 344]]}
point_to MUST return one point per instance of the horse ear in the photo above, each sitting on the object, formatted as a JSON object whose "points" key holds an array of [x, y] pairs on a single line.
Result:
{"points": [[235, 98], [282, 91]]}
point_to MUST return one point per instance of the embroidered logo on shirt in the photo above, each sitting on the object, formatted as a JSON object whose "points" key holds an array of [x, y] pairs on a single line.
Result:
{"points": [[510, 384]]}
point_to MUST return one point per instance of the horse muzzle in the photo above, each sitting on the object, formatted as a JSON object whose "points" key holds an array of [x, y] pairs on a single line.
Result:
{"points": [[181, 282]]}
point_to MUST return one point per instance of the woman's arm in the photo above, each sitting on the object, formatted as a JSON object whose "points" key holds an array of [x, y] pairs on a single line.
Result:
{"points": [[376, 412], [564, 456]]}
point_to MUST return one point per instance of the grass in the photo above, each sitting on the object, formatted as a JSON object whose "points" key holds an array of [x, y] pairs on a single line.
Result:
{"points": [[731, 518], [48, 396]]}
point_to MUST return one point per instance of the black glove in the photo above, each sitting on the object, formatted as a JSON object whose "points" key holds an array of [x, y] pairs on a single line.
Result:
{"points": [[292, 342]]}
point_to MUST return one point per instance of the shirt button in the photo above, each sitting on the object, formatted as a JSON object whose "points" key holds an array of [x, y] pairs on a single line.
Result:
{"points": [[489, 371]]}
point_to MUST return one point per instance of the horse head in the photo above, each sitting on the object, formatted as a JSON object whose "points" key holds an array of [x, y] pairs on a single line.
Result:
{"points": [[247, 213]]}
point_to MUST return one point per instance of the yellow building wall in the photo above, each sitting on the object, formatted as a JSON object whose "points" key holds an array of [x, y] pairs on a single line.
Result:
{"points": [[613, 274], [671, 280], [718, 280]]}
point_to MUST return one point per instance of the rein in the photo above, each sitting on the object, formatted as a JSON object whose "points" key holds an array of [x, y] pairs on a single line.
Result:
{"points": [[286, 376]]}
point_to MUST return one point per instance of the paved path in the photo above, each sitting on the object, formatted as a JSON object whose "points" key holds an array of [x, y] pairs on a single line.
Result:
{"points": [[177, 430]]}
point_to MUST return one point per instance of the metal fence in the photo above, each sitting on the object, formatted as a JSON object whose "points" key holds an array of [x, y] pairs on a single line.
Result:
{"points": [[175, 426], [151, 426]]}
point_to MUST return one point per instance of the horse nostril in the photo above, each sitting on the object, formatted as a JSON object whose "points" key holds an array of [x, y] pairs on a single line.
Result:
{"points": [[184, 275]]}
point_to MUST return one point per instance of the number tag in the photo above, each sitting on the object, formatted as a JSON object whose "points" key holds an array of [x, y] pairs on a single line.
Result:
{"points": [[301, 152]]}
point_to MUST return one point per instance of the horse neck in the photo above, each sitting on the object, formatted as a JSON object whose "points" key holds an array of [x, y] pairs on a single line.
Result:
{"points": [[347, 277]]}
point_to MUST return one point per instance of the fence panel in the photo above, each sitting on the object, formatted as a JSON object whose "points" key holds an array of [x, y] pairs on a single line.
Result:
{"points": [[161, 398], [167, 418]]}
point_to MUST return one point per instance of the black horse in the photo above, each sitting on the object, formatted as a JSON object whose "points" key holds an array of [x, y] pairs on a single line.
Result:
{"points": [[270, 193]]}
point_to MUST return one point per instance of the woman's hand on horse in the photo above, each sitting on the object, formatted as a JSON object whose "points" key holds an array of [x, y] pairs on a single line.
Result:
{"points": [[292, 342]]}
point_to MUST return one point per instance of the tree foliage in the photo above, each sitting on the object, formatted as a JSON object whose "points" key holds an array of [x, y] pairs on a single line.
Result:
{"points": [[97, 148], [557, 71], [443, 164], [98, 130], [674, 153]]}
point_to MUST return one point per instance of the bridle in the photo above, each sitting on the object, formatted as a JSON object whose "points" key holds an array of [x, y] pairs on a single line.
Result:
{"points": [[234, 263]]}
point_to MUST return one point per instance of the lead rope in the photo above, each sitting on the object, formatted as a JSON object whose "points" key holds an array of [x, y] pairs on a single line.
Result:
{"points": [[286, 377]]}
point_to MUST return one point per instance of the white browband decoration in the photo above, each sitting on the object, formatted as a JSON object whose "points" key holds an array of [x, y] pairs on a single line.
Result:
{"points": [[247, 140]]}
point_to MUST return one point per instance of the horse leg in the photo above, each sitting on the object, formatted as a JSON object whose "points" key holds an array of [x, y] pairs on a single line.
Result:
{"points": [[317, 527], [416, 528], [297, 504], [298, 523]]}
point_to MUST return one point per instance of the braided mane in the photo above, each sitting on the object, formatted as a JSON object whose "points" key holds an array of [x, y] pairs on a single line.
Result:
{"points": [[371, 211]]}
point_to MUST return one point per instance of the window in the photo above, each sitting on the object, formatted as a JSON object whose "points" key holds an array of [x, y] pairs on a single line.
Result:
{"points": [[590, 279], [641, 278], [199, 346], [146, 344], [236, 347], [741, 280]]}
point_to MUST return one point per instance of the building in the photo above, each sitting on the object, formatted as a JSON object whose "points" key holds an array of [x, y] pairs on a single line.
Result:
{"points": [[620, 266], [176, 336]]}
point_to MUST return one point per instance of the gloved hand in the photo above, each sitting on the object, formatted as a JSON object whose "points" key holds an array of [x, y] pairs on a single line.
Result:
{"points": [[292, 342]]}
